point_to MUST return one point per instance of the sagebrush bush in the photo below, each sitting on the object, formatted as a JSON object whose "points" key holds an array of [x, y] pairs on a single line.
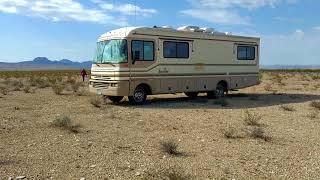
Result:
{"points": [[81, 92], [259, 133], [315, 104], [75, 86], [65, 122], [252, 119], [4, 90], [58, 88], [287, 108], [230, 133], [27, 89], [61, 121], [97, 101]]}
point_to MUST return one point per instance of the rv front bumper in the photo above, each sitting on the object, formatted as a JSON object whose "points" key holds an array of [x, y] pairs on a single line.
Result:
{"points": [[109, 88]]}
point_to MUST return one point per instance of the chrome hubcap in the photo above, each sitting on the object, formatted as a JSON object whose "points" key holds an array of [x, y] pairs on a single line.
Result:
{"points": [[138, 96]]}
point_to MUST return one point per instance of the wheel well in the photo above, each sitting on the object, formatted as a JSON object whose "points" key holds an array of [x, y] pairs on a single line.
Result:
{"points": [[146, 87], [224, 84]]}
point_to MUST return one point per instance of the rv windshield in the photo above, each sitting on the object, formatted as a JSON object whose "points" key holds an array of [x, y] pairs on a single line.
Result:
{"points": [[111, 51]]}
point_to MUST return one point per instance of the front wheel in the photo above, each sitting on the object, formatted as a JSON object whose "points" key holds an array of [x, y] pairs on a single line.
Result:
{"points": [[139, 96], [115, 99]]}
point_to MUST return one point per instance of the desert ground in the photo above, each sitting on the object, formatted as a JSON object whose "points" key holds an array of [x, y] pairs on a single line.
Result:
{"points": [[52, 128]]}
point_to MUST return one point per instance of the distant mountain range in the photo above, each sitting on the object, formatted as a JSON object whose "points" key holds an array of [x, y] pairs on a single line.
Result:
{"points": [[45, 63]]}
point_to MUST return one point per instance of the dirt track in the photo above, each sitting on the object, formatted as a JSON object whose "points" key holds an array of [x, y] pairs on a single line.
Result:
{"points": [[124, 142]]}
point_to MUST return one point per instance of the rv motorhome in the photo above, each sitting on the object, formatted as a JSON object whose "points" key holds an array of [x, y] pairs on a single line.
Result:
{"points": [[141, 61]]}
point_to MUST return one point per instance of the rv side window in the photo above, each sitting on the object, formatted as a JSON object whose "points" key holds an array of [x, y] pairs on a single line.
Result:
{"points": [[246, 52], [175, 49], [142, 49]]}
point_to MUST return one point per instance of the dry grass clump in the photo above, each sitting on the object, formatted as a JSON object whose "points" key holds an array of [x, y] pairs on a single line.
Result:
{"points": [[313, 115], [81, 92], [287, 108], [252, 119], [170, 147], [171, 173], [222, 101], [4, 90], [39, 82], [268, 87], [58, 88], [65, 122], [259, 133], [315, 104], [97, 101], [231, 133], [27, 89], [75, 86]]}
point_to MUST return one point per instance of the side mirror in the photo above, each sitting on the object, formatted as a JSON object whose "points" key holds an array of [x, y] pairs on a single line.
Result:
{"points": [[136, 56]]}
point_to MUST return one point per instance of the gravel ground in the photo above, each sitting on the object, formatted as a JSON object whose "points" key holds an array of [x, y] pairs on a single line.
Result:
{"points": [[124, 142]]}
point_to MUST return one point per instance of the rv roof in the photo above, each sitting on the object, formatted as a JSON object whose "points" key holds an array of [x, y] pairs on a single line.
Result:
{"points": [[127, 31]]}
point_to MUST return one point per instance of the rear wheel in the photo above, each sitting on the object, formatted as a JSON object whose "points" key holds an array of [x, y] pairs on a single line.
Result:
{"points": [[191, 94], [115, 99], [139, 96], [218, 93]]}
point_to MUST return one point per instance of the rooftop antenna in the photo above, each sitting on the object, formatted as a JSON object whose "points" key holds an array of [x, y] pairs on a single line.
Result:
{"points": [[135, 12]]}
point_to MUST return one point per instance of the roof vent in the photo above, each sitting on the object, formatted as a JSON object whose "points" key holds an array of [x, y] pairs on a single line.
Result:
{"points": [[190, 29]]}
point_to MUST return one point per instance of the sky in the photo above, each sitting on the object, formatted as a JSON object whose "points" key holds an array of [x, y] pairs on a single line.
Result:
{"points": [[68, 29]]}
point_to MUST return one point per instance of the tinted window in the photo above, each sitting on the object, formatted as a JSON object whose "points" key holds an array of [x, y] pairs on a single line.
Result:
{"points": [[148, 51], [175, 49], [169, 49], [182, 50], [246, 52], [142, 50], [137, 50]]}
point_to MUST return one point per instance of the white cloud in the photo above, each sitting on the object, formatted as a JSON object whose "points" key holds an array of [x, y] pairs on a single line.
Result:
{"points": [[126, 9], [224, 11], [72, 10], [220, 16], [317, 28], [298, 47]]}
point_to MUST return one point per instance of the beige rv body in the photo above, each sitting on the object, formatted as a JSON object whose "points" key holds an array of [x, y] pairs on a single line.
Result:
{"points": [[212, 59]]}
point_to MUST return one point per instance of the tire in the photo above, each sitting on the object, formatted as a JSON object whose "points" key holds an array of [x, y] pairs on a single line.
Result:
{"points": [[115, 99], [218, 93], [191, 94], [139, 96]]}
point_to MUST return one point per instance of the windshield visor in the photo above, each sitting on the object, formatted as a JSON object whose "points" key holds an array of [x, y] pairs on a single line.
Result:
{"points": [[111, 52]]}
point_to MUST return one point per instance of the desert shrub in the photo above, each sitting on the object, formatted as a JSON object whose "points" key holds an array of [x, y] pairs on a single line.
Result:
{"points": [[222, 101], [287, 108], [315, 104], [75, 86], [171, 173], [96, 101], [4, 90], [58, 88], [81, 92], [259, 133], [315, 77], [230, 133], [39, 82], [27, 89], [61, 121], [313, 115], [65, 122], [252, 119], [170, 147], [268, 87]]}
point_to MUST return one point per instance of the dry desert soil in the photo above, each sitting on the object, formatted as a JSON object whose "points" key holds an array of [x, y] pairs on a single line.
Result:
{"points": [[270, 131]]}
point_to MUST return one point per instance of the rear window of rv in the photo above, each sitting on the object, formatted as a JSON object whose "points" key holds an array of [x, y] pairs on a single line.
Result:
{"points": [[246, 52], [173, 49]]}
